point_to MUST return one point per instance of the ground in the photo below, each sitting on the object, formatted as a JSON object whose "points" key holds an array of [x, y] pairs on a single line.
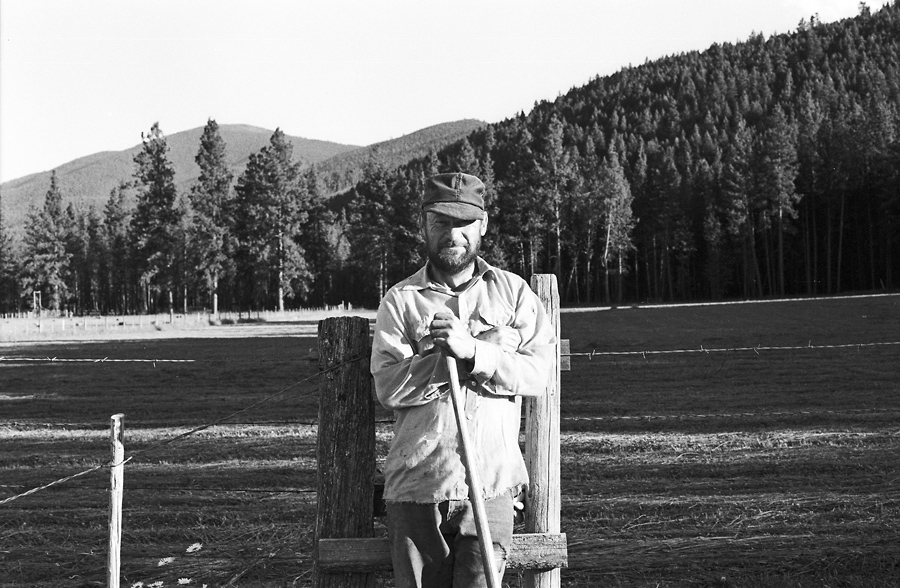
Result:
{"points": [[761, 449]]}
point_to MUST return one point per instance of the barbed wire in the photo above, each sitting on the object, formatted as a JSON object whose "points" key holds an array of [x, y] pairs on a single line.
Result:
{"points": [[92, 360], [60, 481], [589, 354], [197, 489], [143, 425], [186, 434], [594, 353], [730, 415]]}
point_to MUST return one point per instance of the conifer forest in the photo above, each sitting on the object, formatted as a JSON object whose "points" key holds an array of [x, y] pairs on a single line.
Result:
{"points": [[765, 168]]}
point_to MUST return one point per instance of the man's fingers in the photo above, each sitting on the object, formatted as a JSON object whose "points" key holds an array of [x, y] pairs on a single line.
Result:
{"points": [[506, 337]]}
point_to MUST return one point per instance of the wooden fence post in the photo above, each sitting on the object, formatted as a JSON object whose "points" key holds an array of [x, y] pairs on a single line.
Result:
{"points": [[543, 500], [345, 446], [116, 479]]}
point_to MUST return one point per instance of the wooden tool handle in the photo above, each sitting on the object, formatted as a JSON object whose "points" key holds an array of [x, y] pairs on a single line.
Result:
{"points": [[472, 478]]}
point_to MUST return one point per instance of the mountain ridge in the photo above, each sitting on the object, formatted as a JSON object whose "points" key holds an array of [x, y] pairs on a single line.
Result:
{"points": [[88, 180]]}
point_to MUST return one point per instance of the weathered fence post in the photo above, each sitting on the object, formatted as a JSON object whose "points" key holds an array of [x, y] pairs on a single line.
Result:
{"points": [[346, 443], [116, 480], [543, 500]]}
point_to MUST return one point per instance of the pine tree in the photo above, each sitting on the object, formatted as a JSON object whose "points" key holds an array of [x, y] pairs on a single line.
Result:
{"points": [[712, 225], [155, 220], [7, 267], [737, 188], [556, 167], [492, 243], [466, 162], [212, 226], [87, 249], [270, 209], [46, 260], [407, 241], [585, 215], [185, 252], [808, 184], [432, 163], [520, 200], [319, 241], [114, 231], [777, 172], [77, 274], [370, 234], [618, 221]]}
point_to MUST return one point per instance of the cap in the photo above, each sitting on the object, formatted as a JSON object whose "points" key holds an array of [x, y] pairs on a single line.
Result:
{"points": [[458, 195]]}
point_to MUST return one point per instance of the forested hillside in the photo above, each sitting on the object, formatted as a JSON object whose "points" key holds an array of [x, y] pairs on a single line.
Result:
{"points": [[344, 170], [764, 168]]}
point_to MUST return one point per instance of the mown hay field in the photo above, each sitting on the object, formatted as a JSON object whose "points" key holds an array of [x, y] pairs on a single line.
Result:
{"points": [[721, 462]]}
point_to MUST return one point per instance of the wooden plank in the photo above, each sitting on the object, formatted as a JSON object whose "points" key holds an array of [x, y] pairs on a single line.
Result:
{"points": [[345, 446], [543, 498], [541, 551]]}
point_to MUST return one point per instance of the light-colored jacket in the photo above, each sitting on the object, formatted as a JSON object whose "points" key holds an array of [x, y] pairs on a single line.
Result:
{"points": [[424, 464]]}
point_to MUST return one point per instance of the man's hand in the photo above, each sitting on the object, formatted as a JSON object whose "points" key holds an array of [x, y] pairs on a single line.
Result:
{"points": [[450, 334], [507, 338]]}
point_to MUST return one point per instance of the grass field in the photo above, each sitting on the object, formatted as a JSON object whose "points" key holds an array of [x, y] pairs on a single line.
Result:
{"points": [[743, 468]]}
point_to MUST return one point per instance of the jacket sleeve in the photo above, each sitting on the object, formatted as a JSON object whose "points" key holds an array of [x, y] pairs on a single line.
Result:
{"points": [[403, 377], [524, 372]]}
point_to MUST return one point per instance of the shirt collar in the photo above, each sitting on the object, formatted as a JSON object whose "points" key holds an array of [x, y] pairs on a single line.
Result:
{"points": [[421, 281]]}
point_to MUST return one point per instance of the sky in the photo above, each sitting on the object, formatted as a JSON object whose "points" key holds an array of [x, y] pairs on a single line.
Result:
{"points": [[82, 76]]}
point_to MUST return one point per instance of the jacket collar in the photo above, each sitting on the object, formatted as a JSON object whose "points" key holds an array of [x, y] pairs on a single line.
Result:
{"points": [[421, 281]]}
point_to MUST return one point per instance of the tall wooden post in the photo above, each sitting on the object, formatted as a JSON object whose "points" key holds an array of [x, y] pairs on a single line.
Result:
{"points": [[543, 500], [346, 443], [116, 480]]}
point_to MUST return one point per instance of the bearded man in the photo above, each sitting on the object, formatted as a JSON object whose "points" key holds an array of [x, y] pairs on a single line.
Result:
{"points": [[496, 328]]}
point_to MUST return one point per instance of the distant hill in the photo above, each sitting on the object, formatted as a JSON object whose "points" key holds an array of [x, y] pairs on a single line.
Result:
{"points": [[87, 181], [345, 169]]}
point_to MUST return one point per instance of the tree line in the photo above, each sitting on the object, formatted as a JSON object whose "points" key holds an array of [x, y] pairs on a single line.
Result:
{"points": [[764, 168], [254, 243]]}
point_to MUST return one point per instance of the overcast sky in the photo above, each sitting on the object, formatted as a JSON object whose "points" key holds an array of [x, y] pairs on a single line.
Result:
{"points": [[78, 77]]}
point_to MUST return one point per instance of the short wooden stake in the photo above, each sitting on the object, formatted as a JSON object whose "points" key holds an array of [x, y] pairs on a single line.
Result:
{"points": [[116, 480]]}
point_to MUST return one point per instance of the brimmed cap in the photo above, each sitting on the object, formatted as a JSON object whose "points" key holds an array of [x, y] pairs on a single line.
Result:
{"points": [[458, 195]]}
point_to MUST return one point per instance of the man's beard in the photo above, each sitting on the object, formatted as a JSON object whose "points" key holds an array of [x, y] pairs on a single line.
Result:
{"points": [[450, 263]]}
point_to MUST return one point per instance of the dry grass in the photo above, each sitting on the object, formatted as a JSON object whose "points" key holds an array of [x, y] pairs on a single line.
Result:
{"points": [[729, 469]]}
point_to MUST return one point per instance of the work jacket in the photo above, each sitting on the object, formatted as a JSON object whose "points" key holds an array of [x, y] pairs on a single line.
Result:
{"points": [[424, 464]]}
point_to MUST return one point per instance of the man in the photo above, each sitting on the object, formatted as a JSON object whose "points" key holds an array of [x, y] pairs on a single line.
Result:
{"points": [[496, 328]]}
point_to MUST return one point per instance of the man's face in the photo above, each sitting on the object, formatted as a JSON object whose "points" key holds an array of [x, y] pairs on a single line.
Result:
{"points": [[452, 243]]}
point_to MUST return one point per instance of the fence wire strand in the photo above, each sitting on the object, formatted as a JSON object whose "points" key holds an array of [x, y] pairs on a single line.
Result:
{"points": [[92, 360], [184, 435], [589, 354], [53, 483], [594, 353], [656, 417]]}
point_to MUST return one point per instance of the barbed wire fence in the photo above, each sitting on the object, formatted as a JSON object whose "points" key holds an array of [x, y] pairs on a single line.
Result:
{"points": [[278, 395], [282, 395], [156, 446]]}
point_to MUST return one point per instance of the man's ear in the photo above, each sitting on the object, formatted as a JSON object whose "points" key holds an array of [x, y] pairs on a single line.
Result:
{"points": [[484, 224]]}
